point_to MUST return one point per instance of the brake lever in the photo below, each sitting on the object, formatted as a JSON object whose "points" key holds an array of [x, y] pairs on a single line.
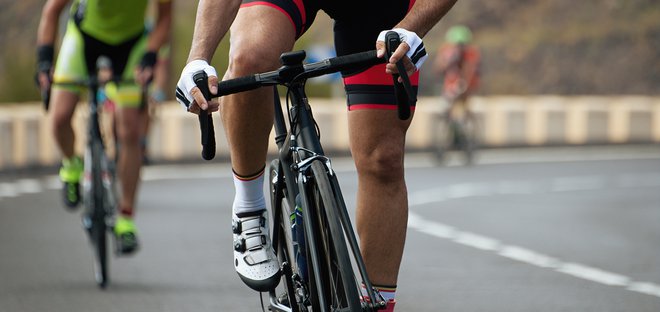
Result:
{"points": [[403, 91], [205, 119]]}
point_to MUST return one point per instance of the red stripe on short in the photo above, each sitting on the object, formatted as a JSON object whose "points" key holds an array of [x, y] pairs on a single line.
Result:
{"points": [[375, 106], [245, 5], [376, 76]]}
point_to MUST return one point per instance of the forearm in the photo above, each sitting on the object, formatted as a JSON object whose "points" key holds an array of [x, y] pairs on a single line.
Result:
{"points": [[424, 15], [160, 35], [214, 17], [48, 24]]}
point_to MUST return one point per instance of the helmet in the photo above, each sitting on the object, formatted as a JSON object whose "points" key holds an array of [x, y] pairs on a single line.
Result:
{"points": [[458, 34]]}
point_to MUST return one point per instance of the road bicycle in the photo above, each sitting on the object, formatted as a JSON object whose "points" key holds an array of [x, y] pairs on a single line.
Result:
{"points": [[99, 188], [321, 265], [455, 129]]}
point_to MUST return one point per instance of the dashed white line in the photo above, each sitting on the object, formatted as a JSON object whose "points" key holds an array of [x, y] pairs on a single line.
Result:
{"points": [[521, 254]]}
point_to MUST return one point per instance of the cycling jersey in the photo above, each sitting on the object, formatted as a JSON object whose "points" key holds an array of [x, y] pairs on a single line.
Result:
{"points": [[113, 28], [111, 21], [357, 25], [461, 68]]}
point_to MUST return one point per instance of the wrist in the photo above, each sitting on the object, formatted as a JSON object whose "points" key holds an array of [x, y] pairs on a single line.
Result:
{"points": [[149, 59], [45, 56]]}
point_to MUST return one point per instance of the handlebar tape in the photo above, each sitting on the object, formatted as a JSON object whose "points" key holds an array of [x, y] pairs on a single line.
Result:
{"points": [[404, 92], [236, 85], [205, 118]]}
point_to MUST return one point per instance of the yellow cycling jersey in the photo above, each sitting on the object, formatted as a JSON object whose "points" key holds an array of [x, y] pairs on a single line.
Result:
{"points": [[111, 21]]}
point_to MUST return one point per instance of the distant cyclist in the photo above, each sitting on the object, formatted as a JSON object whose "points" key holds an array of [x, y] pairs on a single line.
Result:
{"points": [[458, 62], [115, 29]]}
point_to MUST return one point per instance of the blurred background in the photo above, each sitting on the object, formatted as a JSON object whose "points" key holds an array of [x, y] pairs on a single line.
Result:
{"points": [[564, 47], [559, 210]]}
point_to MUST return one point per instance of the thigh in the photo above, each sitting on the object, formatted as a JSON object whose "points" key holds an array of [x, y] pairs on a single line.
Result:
{"points": [[70, 66], [258, 36]]}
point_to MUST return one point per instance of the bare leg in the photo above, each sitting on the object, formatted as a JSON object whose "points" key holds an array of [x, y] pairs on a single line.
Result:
{"points": [[130, 157], [377, 144], [248, 116], [64, 104]]}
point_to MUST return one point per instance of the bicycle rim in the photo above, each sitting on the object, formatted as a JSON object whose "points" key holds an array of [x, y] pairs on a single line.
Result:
{"points": [[337, 286]]}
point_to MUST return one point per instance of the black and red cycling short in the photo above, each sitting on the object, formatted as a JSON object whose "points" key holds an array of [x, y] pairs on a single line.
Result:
{"points": [[356, 28]]}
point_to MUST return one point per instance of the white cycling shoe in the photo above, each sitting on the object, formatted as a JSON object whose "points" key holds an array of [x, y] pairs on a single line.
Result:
{"points": [[254, 258]]}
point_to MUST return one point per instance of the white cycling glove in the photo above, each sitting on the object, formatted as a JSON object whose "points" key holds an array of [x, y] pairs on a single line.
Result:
{"points": [[186, 83], [417, 52]]}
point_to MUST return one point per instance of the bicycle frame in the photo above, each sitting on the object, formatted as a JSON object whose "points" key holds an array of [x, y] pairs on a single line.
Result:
{"points": [[296, 151]]}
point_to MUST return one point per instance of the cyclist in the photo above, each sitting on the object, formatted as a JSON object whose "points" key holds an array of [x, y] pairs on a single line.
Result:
{"points": [[260, 31], [457, 62], [115, 29]]}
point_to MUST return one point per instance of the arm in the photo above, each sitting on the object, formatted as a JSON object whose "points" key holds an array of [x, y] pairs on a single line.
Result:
{"points": [[211, 24], [46, 35], [157, 38], [160, 35], [423, 16], [50, 15], [214, 17]]}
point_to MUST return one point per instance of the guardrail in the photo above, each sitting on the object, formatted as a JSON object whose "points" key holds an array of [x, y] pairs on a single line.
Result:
{"points": [[26, 135]]}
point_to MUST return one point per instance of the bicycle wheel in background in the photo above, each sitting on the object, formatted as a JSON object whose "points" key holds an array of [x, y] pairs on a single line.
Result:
{"points": [[94, 218], [442, 136], [468, 141], [336, 288], [283, 241]]}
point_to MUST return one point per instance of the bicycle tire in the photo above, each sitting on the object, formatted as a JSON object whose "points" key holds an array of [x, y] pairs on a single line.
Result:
{"points": [[337, 285], [442, 139], [96, 210], [470, 142]]}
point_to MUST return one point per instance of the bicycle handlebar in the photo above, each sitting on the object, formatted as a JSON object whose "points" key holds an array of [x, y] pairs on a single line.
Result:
{"points": [[205, 118], [290, 73]]}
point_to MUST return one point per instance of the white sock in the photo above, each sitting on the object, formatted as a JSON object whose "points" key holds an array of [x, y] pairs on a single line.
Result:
{"points": [[249, 195]]}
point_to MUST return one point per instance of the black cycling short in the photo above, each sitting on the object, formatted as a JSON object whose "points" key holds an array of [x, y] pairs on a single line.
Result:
{"points": [[356, 28]]}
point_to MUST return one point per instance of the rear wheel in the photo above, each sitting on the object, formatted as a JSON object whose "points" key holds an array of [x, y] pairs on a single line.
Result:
{"points": [[469, 142], [283, 239], [442, 137]]}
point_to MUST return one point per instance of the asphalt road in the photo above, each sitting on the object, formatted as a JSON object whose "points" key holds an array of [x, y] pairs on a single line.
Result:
{"points": [[523, 230]]}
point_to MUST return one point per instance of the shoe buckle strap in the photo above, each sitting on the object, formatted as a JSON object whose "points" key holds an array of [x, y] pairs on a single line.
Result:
{"points": [[253, 241], [246, 224], [256, 257]]}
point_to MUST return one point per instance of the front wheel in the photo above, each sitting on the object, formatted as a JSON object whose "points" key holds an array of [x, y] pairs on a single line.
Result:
{"points": [[95, 212], [333, 284]]}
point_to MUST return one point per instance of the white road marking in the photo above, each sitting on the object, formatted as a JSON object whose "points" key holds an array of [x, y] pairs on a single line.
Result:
{"points": [[8, 190], [28, 186], [564, 184], [436, 229]]}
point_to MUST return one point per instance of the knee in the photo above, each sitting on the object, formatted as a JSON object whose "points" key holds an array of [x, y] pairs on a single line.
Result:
{"points": [[59, 123], [246, 61], [384, 165], [128, 134]]}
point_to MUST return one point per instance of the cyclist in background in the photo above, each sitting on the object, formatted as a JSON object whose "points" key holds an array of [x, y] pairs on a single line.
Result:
{"points": [[260, 32], [458, 62], [115, 29]]}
